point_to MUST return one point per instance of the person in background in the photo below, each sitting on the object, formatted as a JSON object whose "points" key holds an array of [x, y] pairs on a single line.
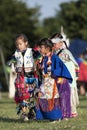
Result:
{"points": [[79, 59], [65, 55], [83, 75], [37, 61], [12, 77]]}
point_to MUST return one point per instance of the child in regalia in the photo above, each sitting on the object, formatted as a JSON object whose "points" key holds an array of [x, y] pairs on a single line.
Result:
{"points": [[48, 103], [25, 83], [65, 55]]}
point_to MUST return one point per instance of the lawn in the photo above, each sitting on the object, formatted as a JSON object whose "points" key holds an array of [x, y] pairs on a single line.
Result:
{"points": [[10, 121]]}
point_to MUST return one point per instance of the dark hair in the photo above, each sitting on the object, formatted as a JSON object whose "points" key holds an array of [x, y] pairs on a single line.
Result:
{"points": [[58, 35], [46, 42], [21, 36], [55, 35]]}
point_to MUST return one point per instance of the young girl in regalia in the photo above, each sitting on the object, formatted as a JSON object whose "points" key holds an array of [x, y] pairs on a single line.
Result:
{"points": [[65, 55], [25, 83], [48, 103]]}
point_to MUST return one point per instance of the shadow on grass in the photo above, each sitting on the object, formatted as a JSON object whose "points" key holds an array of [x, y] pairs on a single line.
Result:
{"points": [[5, 119], [7, 101], [82, 98], [82, 107], [10, 120]]}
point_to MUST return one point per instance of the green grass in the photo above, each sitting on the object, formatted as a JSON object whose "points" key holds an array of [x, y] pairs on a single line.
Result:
{"points": [[10, 121]]}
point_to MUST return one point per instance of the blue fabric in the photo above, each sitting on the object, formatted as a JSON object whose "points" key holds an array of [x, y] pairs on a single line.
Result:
{"points": [[51, 115], [43, 111], [29, 80], [79, 60], [59, 69], [77, 47], [45, 64]]}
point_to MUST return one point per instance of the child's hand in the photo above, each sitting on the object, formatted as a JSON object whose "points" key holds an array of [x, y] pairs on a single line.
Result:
{"points": [[60, 80], [40, 94]]}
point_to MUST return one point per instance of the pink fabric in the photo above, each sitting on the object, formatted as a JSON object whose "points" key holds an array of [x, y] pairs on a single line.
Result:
{"points": [[83, 72], [21, 90]]}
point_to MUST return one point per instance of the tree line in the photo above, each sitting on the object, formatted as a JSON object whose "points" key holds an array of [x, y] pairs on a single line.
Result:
{"points": [[16, 17]]}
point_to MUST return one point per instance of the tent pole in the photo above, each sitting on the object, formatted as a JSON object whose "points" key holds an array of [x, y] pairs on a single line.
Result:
{"points": [[3, 64]]}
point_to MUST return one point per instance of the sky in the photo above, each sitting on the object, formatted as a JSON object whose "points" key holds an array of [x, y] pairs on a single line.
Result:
{"points": [[48, 7]]}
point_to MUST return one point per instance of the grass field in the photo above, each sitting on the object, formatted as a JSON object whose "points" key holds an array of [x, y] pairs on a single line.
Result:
{"points": [[10, 121]]}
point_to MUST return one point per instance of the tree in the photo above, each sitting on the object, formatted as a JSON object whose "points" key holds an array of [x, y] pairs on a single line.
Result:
{"points": [[73, 16], [51, 25], [15, 18]]}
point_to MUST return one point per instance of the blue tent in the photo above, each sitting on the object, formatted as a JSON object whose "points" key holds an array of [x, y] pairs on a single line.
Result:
{"points": [[77, 47]]}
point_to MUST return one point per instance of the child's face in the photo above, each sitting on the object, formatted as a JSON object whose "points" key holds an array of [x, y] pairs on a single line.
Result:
{"points": [[42, 49], [47, 50], [21, 45], [57, 46]]}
